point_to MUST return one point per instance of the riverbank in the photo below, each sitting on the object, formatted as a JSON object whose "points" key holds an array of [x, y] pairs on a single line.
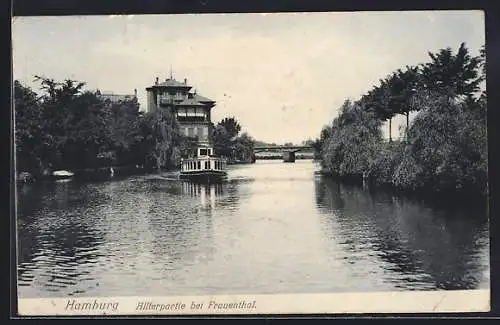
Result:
{"points": [[100, 173], [279, 157], [464, 196]]}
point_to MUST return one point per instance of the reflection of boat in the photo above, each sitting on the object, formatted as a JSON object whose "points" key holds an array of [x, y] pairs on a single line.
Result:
{"points": [[63, 180], [198, 189], [62, 174], [206, 192], [205, 167]]}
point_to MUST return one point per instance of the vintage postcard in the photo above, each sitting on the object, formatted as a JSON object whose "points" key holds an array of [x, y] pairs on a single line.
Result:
{"points": [[281, 163]]}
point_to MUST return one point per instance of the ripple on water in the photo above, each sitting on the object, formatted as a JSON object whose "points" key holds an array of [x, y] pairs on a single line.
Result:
{"points": [[271, 227]]}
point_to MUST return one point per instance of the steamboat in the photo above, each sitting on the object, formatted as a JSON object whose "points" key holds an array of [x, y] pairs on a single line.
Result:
{"points": [[204, 167]]}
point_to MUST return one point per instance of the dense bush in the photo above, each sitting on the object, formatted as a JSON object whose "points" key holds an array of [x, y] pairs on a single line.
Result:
{"points": [[446, 149], [354, 141], [387, 160]]}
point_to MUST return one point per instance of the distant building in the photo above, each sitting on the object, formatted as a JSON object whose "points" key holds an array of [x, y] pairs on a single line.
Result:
{"points": [[116, 98], [192, 111]]}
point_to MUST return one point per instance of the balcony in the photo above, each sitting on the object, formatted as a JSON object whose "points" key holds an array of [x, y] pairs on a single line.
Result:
{"points": [[191, 119], [168, 100]]}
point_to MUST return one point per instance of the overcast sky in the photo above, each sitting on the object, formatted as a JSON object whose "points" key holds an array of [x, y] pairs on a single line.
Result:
{"points": [[283, 76]]}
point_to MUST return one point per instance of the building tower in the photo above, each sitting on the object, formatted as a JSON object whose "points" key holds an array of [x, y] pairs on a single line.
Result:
{"points": [[192, 111]]}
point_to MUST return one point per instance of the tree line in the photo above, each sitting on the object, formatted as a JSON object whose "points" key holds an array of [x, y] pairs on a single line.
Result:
{"points": [[445, 145], [67, 127]]}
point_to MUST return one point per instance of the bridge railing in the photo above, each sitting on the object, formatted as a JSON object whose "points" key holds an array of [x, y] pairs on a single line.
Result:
{"points": [[281, 148]]}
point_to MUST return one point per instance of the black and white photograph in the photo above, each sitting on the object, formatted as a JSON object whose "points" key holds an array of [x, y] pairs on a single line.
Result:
{"points": [[251, 163]]}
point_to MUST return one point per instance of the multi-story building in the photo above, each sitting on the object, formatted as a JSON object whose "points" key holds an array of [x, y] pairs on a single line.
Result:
{"points": [[192, 111], [116, 98]]}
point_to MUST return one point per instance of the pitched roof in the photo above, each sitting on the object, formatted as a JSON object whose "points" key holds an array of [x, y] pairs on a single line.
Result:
{"points": [[172, 83], [202, 99], [114, 98], [190, 102]]}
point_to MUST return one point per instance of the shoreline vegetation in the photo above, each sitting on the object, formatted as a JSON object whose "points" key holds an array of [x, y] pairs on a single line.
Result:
{"points": [[65, 127], [444, 148]]}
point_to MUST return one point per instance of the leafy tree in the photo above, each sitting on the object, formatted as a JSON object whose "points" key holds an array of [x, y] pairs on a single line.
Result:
{"points": [[30, 136], [353, 143], [243, 147], [222, 141], [394, 96], [451, 74], [446, 150], [377, 100], [231, 125], [482, 57], [88, 132], [403, 86], [323, 138], [125, 119], [159, 140]]}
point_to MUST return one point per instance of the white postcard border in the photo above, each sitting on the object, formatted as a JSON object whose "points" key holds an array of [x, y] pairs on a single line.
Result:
{"points": [[323, 303]]}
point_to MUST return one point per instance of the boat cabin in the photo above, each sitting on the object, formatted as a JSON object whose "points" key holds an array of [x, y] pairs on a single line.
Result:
{"points": [[205, 160], [205, 152]]}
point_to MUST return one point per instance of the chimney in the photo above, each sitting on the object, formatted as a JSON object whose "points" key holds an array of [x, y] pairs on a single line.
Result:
{"points": [[156, 82], [185, 81], [135, 92]]}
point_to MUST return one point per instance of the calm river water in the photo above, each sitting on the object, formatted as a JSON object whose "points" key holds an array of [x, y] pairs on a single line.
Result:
{"points": [[271, 228]]}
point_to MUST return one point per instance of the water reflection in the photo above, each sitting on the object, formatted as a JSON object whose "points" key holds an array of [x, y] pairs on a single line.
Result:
{"points": [[76, 238], [206, 192], [416, 246], [270, 228], [54, 240], [182, 230]]}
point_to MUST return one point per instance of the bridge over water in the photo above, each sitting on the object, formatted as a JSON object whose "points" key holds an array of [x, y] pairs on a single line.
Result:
{"points": [[288, 152]]}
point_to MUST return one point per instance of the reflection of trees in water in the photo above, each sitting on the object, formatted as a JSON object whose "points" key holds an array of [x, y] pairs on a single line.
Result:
{"points": [[424, 244], [55, 239]]}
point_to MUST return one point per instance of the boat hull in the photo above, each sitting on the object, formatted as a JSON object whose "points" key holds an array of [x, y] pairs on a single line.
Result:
{"points": [[204, 176], [62, 174]]}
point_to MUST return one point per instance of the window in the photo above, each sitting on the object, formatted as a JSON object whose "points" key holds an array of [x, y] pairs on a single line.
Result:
{"points": [[191, 132], [199, 164], [200, 131], [203, 152]]}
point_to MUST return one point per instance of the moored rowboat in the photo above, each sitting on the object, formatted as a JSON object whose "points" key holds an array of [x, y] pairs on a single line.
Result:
{"points": [[62, 174]]}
